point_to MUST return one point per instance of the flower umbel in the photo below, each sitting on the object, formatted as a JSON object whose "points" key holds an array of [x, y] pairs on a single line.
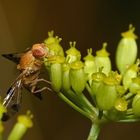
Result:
{"points": [[91, 87]]}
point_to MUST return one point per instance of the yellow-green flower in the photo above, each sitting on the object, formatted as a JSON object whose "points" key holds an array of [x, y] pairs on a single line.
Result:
{"points": [[102, 60], [107, 94], [56, 71], [127, 50], [20, 128], [73, 54], [77, 76], [90, 66]]}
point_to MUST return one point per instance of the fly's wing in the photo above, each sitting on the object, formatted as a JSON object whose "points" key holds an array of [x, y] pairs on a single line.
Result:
{"points": [[12, 101], [15, 57]]}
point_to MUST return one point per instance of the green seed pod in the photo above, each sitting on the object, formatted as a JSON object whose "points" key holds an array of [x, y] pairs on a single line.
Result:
{"points": [[106, 94], [66, 77], [89, 67], [56, 72], [126, 53], [136, 105], [130, 73], [77, 76], [102, 60], [135, 85], [97, 79], [73, 54]]}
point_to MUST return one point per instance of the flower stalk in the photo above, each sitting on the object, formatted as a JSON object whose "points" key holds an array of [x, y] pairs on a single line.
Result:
{"points": [[94, 132]]}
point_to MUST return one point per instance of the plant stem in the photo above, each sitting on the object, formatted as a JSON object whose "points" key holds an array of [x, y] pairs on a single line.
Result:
{"points": [[69, 102], [94, 131], [73, 97], [89, 91]]}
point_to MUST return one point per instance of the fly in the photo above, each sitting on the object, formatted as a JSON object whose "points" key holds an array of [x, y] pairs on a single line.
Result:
{"points": [[30, 64]]}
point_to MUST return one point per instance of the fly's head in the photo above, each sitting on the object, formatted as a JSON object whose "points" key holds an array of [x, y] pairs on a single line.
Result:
{"points": [[39, 51]]}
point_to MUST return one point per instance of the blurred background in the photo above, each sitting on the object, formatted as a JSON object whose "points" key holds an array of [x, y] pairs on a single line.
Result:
{"points": [[90, 23]]}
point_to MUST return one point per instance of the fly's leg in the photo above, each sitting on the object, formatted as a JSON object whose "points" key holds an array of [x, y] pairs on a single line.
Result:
{"points": [[33, 89], [34, 83], [43, 80]]}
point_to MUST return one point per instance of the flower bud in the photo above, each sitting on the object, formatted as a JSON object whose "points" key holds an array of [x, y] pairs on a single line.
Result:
{"points": [[90, 66], [65, 77], [136, 105], [130, 73], [56, 72], [106, 94], [97, 79], [102, 60], [24, 122], [126, 53], [73, 54], [53, 44], [77, 76]]}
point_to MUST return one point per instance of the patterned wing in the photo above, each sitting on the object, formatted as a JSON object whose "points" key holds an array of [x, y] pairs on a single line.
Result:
{"points": [[13, 99]]}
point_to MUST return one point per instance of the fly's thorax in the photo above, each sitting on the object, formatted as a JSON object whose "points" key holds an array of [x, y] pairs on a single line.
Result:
{"points": [[26, 60], [29, 63]]}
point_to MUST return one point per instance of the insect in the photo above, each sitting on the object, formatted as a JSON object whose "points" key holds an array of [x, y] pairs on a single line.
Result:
{"points": [[30, 64]]}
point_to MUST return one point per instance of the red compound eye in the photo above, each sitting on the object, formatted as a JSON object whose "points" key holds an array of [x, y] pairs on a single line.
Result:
{"points": [[38, 50]]}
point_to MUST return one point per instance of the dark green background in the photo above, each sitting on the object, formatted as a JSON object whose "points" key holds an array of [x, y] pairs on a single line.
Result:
{"points": [[90, 23]]}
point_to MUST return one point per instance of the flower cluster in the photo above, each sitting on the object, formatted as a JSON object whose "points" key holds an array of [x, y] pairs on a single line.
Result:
{"points": [[115, 95]]}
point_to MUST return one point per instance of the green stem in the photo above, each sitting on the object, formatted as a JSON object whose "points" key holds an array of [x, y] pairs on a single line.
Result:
{"points": [[90, 92], [64, 98], [129, 120], [86, 105], [75, 99], [94, 131]]}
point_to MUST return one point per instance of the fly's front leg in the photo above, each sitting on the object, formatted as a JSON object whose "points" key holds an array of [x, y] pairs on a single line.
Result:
{"points": [[34, 84], [43, 80]]}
